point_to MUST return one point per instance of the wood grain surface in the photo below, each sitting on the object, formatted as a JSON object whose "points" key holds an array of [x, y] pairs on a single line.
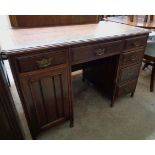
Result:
{"points": [[25, 39]]}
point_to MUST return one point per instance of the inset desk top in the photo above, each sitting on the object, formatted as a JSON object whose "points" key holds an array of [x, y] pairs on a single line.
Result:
{"points": [[25, 39]]}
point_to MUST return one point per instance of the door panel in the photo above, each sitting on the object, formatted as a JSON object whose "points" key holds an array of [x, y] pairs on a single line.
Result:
{"points": [[46, 95], [48, 89]]}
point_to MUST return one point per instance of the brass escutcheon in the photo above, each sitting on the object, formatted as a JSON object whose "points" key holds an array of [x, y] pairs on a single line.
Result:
{"points": [[44, 62]]}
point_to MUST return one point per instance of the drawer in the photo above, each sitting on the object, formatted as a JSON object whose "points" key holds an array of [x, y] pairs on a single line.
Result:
{"points": [[41, 60], [135, 42], [126, 88], [129, 73], [92, 52], [130, 58]]}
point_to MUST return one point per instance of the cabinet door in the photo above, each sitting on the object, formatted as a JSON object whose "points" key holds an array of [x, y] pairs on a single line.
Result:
{"points": [[46, 97]]}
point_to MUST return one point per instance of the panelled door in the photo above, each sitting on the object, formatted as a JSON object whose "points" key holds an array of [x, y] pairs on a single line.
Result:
{"points": [[46, 94]]}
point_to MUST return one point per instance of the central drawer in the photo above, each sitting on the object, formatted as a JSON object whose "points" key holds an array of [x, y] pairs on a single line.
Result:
{"points": [[90, 52]]}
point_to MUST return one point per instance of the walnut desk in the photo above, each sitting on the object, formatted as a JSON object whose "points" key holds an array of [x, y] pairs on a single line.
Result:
{"points": [[42, 59]]}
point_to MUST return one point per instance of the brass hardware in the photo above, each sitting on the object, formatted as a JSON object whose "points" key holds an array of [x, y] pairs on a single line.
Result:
{"points": [[44, 62], [100, 52], [133, 59]]}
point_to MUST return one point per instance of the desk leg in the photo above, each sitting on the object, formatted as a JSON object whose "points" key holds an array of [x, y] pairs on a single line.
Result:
{"points": [[113, 99], [152, 79], [114, 94], [112, 103], [71, 115], [132, 94]]}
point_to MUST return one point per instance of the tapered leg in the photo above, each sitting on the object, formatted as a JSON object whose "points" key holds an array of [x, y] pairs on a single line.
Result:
{"points": [[71, 114], [152, 79], [113, 97], [71, 117]]}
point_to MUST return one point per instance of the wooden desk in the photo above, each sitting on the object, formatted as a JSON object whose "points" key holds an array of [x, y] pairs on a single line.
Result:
{"points": [[42, 59]]}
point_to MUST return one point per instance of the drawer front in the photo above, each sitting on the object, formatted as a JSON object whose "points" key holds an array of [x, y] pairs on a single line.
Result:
{"points": [[130, 58], [129, 73], [135, 42], [43, 60], [126, 88], [96, 51]]}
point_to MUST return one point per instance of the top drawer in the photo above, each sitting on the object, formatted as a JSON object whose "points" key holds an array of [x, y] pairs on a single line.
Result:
{"points": [[36, 61], [96, 51], [135, 42]]}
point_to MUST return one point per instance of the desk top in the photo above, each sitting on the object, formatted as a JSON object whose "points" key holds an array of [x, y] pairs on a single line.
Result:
{"points": [[15, 40]]}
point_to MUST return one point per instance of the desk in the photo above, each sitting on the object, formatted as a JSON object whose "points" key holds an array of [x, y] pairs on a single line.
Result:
{"points": [[42, 59]]}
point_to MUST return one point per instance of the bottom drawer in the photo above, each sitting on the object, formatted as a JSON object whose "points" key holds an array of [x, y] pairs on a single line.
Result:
{"points": [[126, 88]]}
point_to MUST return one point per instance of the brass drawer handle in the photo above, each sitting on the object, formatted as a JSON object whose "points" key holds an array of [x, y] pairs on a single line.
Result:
{"points": [[100, 52], [44, 62], [133, 59]]}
